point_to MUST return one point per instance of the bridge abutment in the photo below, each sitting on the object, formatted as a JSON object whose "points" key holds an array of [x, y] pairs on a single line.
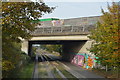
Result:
{"points": [[24, 46], [74, 48]]}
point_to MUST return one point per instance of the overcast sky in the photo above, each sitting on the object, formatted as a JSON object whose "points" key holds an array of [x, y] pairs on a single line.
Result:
{"points": [[79, 0], [76, 8]]}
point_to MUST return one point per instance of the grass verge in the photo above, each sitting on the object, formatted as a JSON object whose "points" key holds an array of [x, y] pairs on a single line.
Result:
{"points": [[26, 71], [56, 74], [112, 75]]}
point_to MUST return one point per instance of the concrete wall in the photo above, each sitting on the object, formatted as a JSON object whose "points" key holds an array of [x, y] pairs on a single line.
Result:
{"points": [[71, 49], [24, 46], [86, 46]]}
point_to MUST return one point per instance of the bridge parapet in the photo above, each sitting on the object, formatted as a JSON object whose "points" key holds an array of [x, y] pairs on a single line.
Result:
{"points": [[63, 30]]}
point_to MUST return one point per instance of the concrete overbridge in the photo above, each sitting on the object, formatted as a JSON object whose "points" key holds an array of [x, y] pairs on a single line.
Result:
{"points": [[74, 39]]}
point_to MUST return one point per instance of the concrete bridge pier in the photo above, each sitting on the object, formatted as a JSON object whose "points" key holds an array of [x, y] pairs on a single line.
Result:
{"points": [[24, 46]]}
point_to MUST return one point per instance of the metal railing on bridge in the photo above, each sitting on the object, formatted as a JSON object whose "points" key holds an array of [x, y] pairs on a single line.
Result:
{"points": [[63, 29]]}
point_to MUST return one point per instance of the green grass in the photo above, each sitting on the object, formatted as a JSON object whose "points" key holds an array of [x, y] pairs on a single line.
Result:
{"points": [[42, 70], [64, 72], [56, 73], [108, 74], [26, 71]]}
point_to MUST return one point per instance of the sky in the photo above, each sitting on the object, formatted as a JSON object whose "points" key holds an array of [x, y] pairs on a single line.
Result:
{"points": [[79, 0], [66, 9]]}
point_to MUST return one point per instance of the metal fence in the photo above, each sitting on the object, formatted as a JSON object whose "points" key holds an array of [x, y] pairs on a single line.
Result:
{"points": [[63, 29]]}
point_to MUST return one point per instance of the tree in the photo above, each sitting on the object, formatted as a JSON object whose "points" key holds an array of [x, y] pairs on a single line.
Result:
{"points": [[106, 37], [17, 23], [51, 48], [17, 17]]}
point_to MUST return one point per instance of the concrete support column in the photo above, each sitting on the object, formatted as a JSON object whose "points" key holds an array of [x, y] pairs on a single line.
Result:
{"points": [[24, 46], [27, 47]]}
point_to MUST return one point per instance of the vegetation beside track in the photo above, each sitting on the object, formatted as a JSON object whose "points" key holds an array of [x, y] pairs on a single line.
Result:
{"points": [[26, 71], [42, 70], [107, 74], [64, 72]]}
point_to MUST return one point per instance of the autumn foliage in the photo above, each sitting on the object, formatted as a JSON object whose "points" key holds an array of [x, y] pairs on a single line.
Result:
{"points": [[106, 37], [17, 23]]}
